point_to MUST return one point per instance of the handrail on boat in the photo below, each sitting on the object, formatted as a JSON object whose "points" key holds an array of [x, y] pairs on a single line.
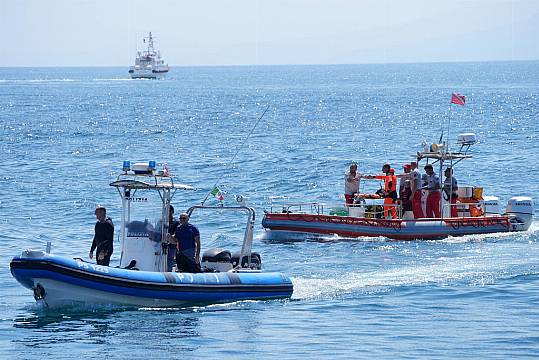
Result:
{"points": [[315, 207], [249, 228], [318, 208], [375, 210]]}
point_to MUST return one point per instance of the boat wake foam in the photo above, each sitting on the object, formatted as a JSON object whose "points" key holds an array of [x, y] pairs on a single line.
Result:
{"points": [[479, 268]]}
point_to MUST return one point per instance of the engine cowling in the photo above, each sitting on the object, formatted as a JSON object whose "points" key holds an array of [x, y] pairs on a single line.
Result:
{"points": [[520, 210]]}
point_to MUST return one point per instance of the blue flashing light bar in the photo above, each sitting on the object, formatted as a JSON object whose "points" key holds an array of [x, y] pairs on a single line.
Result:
{"points": [[151, 165], [126, 165]]}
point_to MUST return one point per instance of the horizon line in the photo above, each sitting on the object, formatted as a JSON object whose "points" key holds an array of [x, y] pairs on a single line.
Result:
{"points": [[268, 65]]}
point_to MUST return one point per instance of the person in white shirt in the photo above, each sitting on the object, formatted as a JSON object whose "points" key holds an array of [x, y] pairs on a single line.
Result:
{"points": [[434, 197], [450, 190], [351, 183]]}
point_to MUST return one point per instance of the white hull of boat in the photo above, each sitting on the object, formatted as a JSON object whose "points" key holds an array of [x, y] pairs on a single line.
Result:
{"points": [[61, 281], [147, 74], [64, 294]]}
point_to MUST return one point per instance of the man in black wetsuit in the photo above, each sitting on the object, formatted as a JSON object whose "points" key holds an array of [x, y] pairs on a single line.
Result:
{"points": [[104, 234]]}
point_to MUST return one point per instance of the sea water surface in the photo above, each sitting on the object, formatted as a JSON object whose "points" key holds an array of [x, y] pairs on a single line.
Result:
{"points": [[65, 132]]}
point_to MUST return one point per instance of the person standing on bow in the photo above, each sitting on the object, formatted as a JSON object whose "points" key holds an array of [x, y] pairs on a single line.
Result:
{"points": [[450, 190], [390, 191], [188, 246], [103, 238], [417, 193], [434, 196], [351, 184]]}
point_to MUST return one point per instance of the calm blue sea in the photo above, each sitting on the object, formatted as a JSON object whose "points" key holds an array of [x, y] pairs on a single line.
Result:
{"points": [[65, 132]]}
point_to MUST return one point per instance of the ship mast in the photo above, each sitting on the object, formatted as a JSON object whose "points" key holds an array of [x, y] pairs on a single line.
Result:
{"points": [[150, 44]]}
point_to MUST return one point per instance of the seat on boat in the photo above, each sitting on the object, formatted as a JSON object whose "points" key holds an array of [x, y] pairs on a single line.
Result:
{"points": [[216, 259], [216, 255]]}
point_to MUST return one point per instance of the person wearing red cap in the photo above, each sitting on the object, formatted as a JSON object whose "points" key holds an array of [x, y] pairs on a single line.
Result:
{"points": [[390, 191]]}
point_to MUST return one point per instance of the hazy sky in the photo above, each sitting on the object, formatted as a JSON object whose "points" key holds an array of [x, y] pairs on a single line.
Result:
{"points": [[214, 32]]}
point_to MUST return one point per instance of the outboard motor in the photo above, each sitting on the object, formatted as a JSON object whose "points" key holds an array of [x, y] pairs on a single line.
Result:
{"points": [[216, 259], [490, 205], [256, 260], [520, 211]]}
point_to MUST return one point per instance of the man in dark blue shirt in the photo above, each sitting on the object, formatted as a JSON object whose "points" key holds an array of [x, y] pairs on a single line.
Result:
{"points": [[188, 246]]}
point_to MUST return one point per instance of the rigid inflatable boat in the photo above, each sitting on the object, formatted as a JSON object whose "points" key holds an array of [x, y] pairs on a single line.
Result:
{"points": [[142, 278]]}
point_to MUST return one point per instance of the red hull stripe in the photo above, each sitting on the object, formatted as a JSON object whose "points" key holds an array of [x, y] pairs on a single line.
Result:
{"points": [[396, 229]]}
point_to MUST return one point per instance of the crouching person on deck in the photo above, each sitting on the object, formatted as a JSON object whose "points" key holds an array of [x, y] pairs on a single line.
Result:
{"points": [[188, 246]]}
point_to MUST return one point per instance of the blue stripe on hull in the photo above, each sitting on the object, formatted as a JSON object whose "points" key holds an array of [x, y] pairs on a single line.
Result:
{"points": [[177, 287], [218, 294]]}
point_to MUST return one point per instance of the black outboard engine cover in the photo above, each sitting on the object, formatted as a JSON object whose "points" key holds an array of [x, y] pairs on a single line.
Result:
{"points": [[216, 255], [256, 260]]}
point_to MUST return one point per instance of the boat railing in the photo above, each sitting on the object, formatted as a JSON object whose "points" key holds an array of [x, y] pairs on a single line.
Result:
{"points": [[249, 228], [300, 207], [338, 209]]}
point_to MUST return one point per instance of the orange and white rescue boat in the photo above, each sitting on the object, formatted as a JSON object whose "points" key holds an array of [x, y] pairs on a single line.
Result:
{"points": [[476, 214]]}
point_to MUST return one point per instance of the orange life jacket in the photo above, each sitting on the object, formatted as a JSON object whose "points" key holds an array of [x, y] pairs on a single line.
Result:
{"points": [[390, 182]]}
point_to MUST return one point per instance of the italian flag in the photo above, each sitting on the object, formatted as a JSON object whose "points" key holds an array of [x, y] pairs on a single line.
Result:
{"points": [[217, 193]]}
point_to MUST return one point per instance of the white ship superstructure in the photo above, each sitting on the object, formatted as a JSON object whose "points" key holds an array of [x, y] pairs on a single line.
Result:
{"points": [[148, 63]]}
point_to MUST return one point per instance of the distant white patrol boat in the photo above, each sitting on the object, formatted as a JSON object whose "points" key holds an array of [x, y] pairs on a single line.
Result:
{"points": [[148, 63]]}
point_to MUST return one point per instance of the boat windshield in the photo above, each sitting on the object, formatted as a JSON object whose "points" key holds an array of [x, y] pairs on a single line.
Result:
{"points": [[144, 215]]}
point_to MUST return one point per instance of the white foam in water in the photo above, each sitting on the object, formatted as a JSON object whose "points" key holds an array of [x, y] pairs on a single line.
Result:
{"points": [[114, 79], [383, 280], [478, 266], [288, 236], [38, 80], [534, 227]]}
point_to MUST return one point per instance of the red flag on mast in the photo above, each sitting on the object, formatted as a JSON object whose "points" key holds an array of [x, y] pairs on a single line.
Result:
{"points": [[458, 99]]}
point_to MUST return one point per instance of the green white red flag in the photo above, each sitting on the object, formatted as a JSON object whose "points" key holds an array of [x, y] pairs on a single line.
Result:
{"points": [[217, 193]]}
